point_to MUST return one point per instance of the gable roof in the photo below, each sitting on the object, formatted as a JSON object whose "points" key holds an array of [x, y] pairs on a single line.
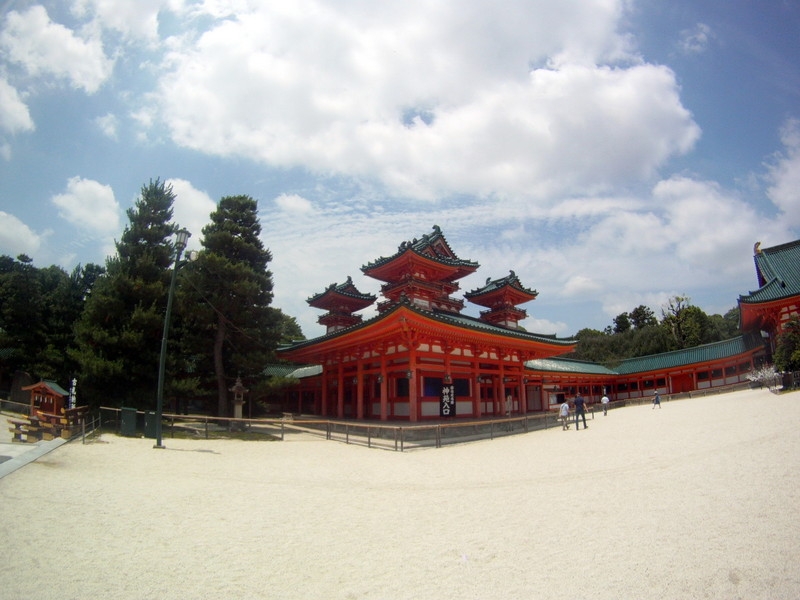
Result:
{"points": [[778, 272], [51, 386]]}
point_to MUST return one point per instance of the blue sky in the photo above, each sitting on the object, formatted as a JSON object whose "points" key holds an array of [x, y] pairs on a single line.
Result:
{"points": [[611, 152]]}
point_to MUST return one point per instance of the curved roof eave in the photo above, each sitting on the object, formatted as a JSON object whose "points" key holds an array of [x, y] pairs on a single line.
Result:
{"points": [[470, 324]]}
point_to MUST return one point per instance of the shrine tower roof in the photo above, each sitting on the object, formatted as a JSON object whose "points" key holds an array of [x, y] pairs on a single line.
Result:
{"points": [[464, 326], [432, 249], [778, 272], [342, 293], [508, 289]]}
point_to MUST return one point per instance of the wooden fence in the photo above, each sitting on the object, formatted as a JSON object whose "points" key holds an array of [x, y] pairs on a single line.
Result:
{"points": [[393, 436]]}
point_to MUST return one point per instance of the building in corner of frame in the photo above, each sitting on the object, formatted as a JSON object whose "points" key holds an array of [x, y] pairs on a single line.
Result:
{"points": [[420, 358]]}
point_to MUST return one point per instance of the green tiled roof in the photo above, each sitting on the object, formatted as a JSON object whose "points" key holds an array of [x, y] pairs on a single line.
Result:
{"points": [[309, 371], [420, 246], [345, 289], [49, 383], [778, 270], [654, 362], [473, 323], [443, 317], [278, 370], [698, 354], [492, 285], [55, 387], [567, 365]]}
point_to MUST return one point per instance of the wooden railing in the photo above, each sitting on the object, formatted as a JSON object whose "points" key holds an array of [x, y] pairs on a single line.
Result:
{"points": [[396, 436]]}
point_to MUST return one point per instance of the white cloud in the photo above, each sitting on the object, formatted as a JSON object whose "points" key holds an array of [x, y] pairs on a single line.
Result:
{"points": [[191, 209], [14, 114], [706, 224], [108, 124], [430, 101], [544, 326], [687, 234], [16, 237], [43, 47], [784, 174], [133, 19], [292, 203], [696, 39], [89, 205]]}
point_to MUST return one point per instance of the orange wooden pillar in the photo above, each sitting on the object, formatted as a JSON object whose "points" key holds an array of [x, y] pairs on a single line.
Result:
{"points": [[360, 390], [413, 399], [324, 393], [475, 384], [340, 393], [384, 381]]}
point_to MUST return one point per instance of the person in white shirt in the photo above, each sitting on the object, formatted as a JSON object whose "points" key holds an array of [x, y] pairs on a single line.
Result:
{"points": [[563, 413], [604, 401]]}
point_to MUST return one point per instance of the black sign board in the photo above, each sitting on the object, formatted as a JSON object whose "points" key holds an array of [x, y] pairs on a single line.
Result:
{"points": [[447, 407]]}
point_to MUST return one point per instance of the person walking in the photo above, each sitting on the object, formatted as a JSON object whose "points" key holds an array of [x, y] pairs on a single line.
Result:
{"points": [[656, 400], [604, 401], [580, 411], [563, 413]]}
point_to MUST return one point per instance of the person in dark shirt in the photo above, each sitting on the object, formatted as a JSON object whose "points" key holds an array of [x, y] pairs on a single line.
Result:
{"points": [[656, 400], [580, 411]]}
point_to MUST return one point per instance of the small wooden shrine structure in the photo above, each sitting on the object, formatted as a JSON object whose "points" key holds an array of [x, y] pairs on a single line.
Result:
{"points": [[420, 357], [47, 397], [50, 415]]}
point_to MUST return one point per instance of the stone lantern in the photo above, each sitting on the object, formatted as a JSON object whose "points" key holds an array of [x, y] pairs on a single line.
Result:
{"points": [[238, 397]]}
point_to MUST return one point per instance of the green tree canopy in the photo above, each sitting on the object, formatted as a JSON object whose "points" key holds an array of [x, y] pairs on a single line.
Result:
{"points": [[38, 309], [622, 323], [787, 346], [119, 332], [683, 326], [227, 326], [688, 325], [642, 317]]}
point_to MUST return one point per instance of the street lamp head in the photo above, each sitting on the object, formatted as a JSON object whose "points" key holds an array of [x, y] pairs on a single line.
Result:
{"points": [[181, 238]]}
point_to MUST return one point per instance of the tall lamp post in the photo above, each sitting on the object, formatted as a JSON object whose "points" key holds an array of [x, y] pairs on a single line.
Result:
{"points": [[181, 238]]}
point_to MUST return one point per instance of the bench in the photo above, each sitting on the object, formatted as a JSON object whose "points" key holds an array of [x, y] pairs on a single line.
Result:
{"points": [[25, 430]]}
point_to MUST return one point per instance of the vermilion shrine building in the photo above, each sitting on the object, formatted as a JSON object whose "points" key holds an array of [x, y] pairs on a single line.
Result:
{"points": [[419, 346], [421, 358], [46, 397], [777, 298]]}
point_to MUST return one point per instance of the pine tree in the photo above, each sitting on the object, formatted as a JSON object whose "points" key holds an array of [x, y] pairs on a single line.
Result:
{"points": [[118, 336], [38, 310], [226, 323]]}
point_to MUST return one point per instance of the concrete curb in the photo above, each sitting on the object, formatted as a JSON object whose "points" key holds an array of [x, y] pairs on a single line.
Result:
{"points": [[35, 452]]}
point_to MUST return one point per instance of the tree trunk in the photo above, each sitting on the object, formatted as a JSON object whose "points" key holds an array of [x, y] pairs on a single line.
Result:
{"points": [[219, 369]]}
